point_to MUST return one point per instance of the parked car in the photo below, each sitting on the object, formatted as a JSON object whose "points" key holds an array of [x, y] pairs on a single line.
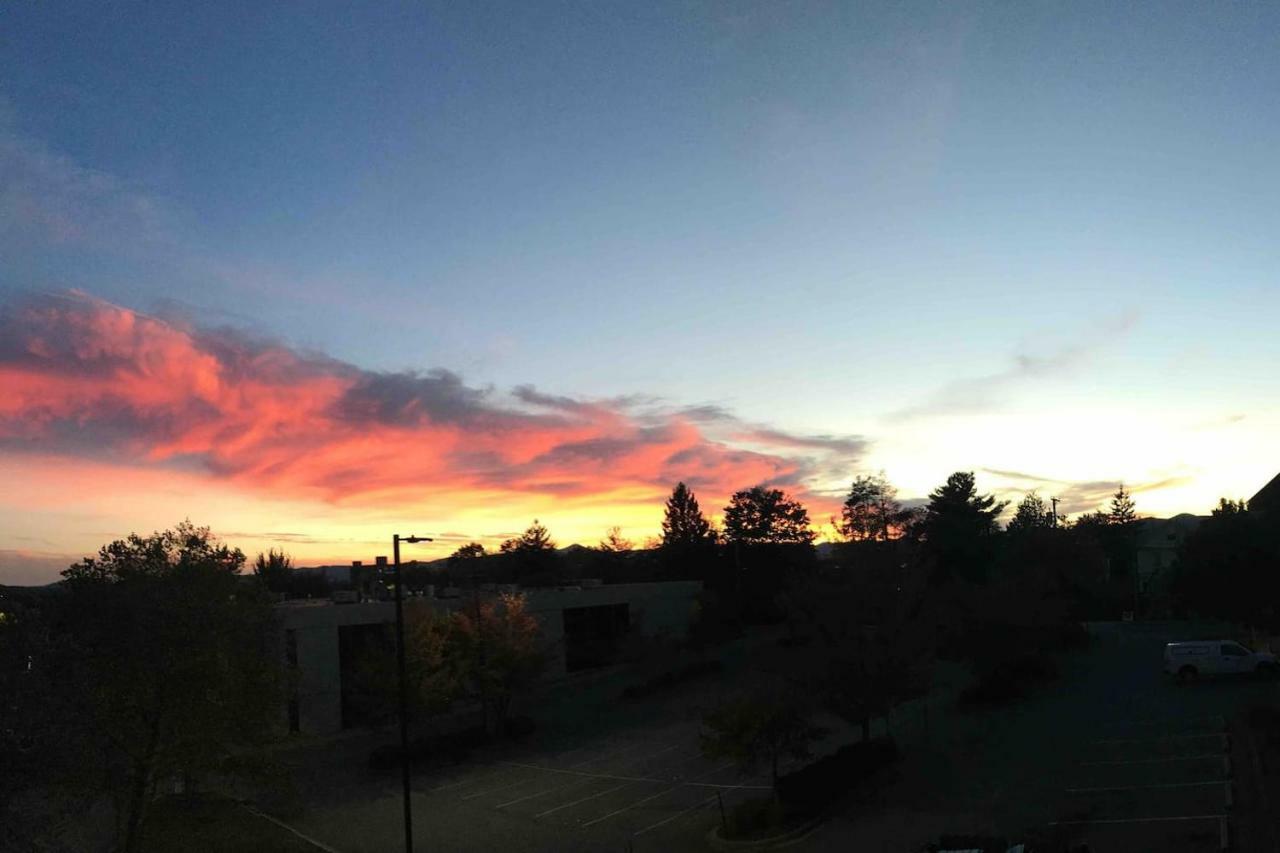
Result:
{"points": [[1187, 661]]}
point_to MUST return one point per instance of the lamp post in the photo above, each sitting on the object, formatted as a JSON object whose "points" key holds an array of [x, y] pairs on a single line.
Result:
{"points": [[396, 539]]}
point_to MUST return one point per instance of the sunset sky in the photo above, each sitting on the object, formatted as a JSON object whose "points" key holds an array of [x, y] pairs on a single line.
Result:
{"points": [[313, 274]]}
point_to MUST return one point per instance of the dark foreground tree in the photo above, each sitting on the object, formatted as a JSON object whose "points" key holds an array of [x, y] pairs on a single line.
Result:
{"points": [[170, 664], [871, 512], [960, 529], [759, 516], [275, 570], [758, 728], [1229, 568], [1032, 514], [532, 556], [683, 524], [494, 651]]}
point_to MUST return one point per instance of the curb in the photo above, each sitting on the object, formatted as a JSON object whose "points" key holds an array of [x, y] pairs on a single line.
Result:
{"points": [[782, 840]]}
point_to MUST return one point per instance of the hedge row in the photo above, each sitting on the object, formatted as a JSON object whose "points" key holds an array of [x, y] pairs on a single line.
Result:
{"points": [[811, 789], [454, 747], [671, 678]]}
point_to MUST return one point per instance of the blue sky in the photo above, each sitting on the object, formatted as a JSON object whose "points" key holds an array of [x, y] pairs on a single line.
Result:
{"points": [[832, 218]]}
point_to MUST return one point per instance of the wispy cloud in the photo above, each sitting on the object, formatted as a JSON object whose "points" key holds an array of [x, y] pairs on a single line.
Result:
{"points": [[978, 394], [48, 199], [1076, 495], [84, 377]]}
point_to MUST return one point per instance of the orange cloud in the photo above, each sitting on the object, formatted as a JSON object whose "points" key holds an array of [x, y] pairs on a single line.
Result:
{"points": [[87, 379]]}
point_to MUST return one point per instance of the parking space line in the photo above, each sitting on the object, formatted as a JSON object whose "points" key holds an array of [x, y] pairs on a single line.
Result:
{"points": [[467, 781], [654, 796], [1138, 819], [473, 795], [1162, 739], [582, 777], [668, 820], [576, 802], [1145, 787], [617, 778], [1152, 760]]}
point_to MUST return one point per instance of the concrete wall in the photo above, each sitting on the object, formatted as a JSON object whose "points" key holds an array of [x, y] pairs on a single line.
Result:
{"points": [[657, 609]]}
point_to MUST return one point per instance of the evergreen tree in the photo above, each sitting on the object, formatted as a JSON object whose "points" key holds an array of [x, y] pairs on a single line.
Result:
{"points": [[1122, 507], [758, 516], [684, 524], [532, 556], [960, 527]]}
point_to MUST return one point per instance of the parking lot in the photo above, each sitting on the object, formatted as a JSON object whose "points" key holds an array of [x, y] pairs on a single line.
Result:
{"points": [[1114, 754], [643, 788]]}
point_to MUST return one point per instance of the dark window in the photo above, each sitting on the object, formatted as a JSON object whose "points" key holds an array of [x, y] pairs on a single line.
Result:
{"points": [[593, 636], [1233, 651]]}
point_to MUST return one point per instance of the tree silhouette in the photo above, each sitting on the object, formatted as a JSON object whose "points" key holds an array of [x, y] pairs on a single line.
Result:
{"points": [[759, 516], [494, 651], [1122, 507], [871, 511], [614, 542], [1032, 514], [171, 664], [684, 524], [470, 551], [533, 556], [760, 727], [960, 527], [274, 569]]}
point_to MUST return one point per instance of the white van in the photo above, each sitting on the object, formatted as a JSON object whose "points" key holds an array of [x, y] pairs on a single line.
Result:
{"points": [[1190, 660]]}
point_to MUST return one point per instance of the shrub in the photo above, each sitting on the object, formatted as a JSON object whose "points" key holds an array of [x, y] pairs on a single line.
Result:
{"points": [[671, 678], [1010, 680], [810, 789], [755, 818]]}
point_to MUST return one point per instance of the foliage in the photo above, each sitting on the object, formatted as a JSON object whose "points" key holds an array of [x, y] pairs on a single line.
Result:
{"points": [[1032, 514], [683, 524], [1229, 568], [470, 551], [758, 728], [615, 543], [170, 664], [494, 651], [1122, 507], [872, 637], [811, 789], [871, 511], [760, 816], [532, 556], [274, 569], [432, 684], [671, 678], [960, 527], [759, 515]]}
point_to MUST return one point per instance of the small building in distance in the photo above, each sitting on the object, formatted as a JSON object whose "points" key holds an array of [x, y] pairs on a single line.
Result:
{"points": [[583, 627]]}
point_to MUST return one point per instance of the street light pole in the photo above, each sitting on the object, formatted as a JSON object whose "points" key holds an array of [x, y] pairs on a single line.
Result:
{"points": [[404, 688]]}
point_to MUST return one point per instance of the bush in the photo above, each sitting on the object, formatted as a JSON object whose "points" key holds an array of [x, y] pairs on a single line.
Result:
{"points": [[1010, 680], [810, 789], [755, 818], [671, 678]]}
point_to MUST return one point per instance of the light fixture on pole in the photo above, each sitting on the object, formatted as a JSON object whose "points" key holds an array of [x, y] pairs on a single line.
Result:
{"points": [[404, 690]]}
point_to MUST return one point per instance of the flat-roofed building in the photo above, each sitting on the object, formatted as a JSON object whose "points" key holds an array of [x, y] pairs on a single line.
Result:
{"points": [[583, 627]]}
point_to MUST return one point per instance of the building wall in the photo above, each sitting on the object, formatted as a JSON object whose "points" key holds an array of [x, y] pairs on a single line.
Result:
{"points": [[657, 609]]}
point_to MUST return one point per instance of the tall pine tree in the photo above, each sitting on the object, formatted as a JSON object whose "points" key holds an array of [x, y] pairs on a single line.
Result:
{"points": [[684, 524]]}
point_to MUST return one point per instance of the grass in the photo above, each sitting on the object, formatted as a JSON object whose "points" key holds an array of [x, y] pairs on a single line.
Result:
{"points": [[215, 825]]}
